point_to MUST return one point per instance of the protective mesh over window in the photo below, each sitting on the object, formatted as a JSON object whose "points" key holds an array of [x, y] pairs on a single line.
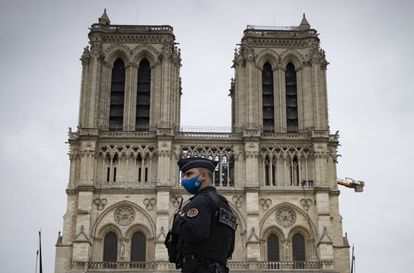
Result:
{"points": [[138, 247], [143, 96], [298, 247], [110, 247], [291, 99], [273, 248], [116, 108], [268, 100]]}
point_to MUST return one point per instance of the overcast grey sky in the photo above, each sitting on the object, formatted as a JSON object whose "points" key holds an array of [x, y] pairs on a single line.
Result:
{"points": [[369, 45]]}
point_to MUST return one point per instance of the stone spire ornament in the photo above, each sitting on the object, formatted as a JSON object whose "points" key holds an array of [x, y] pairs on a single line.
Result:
{"points": [[104, 19], [304, 24]]}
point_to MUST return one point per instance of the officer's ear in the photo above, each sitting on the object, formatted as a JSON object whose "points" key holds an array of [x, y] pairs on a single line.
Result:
{"points": [[203, 175]]}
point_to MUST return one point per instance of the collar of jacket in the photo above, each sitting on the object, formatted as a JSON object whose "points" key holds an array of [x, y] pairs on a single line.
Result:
{"points": [[205, 190]]}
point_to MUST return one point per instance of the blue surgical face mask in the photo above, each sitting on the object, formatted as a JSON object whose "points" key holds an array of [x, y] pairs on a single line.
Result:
{"points": [[191, 185]]}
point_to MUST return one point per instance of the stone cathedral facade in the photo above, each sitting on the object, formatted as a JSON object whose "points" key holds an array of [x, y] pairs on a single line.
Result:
{"points": [[277, 166]]}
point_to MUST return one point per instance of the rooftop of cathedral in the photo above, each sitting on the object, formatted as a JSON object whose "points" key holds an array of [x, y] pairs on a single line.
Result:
{"points": [[104, 26], [304, 30]]}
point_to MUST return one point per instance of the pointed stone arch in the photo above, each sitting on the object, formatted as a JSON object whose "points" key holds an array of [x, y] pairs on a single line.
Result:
{"points": [[116, 51], [309, 241], [148, 244], [281, 239], [145, 51], [127, 151], [299, 229], [100, 234], [138, 227], [292, 56], [267, 55], [273, 229], [294, 207], [142, 217]]}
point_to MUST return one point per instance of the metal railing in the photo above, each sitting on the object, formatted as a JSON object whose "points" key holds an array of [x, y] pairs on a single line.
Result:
{"points": [[256, 27], [205, 129], [210, 135], [135, 28]]}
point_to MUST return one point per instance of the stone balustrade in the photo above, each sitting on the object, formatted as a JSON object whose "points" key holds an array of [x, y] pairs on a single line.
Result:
{"points": [[133, 28], [234, 266]]}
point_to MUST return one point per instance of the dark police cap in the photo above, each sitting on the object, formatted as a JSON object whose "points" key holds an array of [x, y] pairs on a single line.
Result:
{"points": [[196, 162]]}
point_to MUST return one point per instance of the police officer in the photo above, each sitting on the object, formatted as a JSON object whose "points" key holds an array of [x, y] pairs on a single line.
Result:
{"points": [[204, 229]]}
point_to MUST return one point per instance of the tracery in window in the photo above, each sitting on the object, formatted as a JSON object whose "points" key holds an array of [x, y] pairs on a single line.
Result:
{"points": [[268, 98], [143, 96], [291, 99], [294, 171], [142, 166], [111, 164], [116, 107], [126, 164], [270, 170], [223, 172]]}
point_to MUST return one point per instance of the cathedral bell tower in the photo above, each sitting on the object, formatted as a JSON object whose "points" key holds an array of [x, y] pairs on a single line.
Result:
{"points": [[129, 111], [279, 107], [280, 81], [130, 79]]}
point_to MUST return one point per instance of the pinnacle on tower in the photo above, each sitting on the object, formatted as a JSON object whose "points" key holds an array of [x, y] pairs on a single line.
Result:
{"points": [[104, 19], [304, 24]]}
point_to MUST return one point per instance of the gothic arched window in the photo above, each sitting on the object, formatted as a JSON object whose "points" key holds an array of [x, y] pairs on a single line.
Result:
{"points": [[298, 248], [116, 108], [294, 172], [291, 99], [143, 96], [268, 101], [138, 247], [273, 248], [110, 247], [270, 171]]}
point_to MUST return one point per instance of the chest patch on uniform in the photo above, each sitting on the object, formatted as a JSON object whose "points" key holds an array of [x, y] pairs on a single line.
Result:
{"points": [[227, 218], [192, 212]]}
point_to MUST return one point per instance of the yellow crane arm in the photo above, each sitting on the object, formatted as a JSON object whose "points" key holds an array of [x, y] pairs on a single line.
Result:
{"points": [[358, 186]]}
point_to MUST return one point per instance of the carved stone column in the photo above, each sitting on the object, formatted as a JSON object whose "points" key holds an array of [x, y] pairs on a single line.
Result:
{"points": [[82, 242], [308, 102], [166, 86], [87, 163], [164, 159], [282, 100], [86, 59], [252, 220], [105, 96], [317, 96], [93, 90], [252, 200], [162, 220], [130, 98]]}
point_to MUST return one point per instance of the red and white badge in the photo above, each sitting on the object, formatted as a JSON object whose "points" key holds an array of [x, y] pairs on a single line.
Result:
{"points": [[192, 212]]}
